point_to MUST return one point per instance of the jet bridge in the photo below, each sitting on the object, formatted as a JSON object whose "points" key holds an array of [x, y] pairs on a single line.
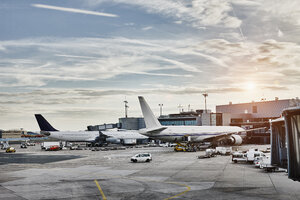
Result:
{"points": [[278, 143], [292, 127]]}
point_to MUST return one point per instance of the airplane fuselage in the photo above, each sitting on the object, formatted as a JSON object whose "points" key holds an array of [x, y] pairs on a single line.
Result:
{"points": [[74, 136], [193, 133], [89, 136]]}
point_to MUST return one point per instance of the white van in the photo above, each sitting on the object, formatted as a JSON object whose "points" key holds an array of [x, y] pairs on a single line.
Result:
{"points": [[238, 157], [141, 157]]}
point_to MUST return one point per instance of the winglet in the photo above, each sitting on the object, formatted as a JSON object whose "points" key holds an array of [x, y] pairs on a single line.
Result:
{"points": [[150, 120], [43, 123]]}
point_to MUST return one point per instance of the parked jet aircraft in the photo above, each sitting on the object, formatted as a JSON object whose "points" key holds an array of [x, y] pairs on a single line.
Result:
{"points": [[190, 134], [94, 137]]}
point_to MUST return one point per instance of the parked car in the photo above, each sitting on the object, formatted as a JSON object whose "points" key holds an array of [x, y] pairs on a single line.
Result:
{"points": [[141, 157], [10, 150]]}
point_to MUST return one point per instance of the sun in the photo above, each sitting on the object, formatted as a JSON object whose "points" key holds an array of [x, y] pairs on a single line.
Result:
{"points": [[250, 86]]}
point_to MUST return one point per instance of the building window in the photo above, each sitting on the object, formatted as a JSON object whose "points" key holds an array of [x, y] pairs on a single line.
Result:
{"points": [[254, 109]]}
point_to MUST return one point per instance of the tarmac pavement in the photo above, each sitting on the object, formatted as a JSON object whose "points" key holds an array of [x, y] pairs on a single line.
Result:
{"points": [[84, 174]]}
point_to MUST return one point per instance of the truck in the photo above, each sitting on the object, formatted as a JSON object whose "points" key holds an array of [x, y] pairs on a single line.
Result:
{"points": [[46, 145], [239, 157]]}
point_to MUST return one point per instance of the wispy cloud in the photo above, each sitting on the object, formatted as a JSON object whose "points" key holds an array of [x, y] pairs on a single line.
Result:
{"points": [[74, 10], [196, 13], [147, 28]]}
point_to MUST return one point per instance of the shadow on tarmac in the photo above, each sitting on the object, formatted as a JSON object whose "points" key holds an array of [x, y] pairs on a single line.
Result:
{"points": [[10, 158]]}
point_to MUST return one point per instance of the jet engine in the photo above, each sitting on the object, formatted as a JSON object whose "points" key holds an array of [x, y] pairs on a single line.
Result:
{"points": [[235, 140], [231, 140], [113, 140]]}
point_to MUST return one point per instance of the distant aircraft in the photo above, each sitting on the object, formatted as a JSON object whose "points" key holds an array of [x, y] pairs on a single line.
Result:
{"points": [[94, 137], [4, 142], [188, 134]]}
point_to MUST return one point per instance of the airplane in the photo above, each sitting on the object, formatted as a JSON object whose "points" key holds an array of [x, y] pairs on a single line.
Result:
{"points": [[191, 135], [95, 138]]}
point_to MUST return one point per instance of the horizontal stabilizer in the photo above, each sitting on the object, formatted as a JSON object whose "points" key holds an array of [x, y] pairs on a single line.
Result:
{"points": [[156, 130]]}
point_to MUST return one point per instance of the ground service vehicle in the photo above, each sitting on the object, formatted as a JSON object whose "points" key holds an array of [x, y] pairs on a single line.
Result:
{"points": [[141, 157], [257, 161], [252, 153], [46, 145], [54, 148], [23, 145], [223, 150], [10, 150], [239, 157]]}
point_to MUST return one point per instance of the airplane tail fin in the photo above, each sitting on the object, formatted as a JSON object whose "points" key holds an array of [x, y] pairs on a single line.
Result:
{"points": [[150, 120], [43, 123]]}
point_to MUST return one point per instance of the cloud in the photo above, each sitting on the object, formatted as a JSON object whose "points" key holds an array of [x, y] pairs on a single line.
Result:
{"points": [[147, 28], [54, 96], [73, 10], [89, 59], [286, 11], [196, 13], [279, 33], [75, 56], [84, 60]]}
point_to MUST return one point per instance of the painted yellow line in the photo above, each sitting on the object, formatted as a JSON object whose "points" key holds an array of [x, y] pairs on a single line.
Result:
{"points": [[181, 193], [102, 193]]}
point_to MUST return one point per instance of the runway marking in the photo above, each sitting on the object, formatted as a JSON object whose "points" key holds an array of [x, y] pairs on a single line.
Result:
{"points": [[122, 177], [102, 193], [181, 193]]}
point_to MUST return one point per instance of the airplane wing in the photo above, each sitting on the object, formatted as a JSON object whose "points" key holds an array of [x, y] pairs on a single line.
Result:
{"points": [[124, 134], [225, 134], [221, 135]]}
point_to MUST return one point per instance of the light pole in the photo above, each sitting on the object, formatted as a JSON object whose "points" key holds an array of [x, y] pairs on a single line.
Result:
{"points": [[205, 95], [126, 108], [160, 109]]}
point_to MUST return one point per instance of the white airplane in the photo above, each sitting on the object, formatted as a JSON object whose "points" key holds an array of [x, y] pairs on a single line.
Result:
{"points": [[94, 137], [190, 134]]}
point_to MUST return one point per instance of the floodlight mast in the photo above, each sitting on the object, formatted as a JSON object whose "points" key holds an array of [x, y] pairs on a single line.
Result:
{"points": [[126, 108], [160, 109], [205, 95]]}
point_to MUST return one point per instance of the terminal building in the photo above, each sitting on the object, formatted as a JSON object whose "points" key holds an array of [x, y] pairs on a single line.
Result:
{"points": [[256, 115], [190, 118], [132, 123]]}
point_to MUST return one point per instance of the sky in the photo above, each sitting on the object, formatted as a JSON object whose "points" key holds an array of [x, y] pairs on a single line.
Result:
{"points": [[76, 61]]}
